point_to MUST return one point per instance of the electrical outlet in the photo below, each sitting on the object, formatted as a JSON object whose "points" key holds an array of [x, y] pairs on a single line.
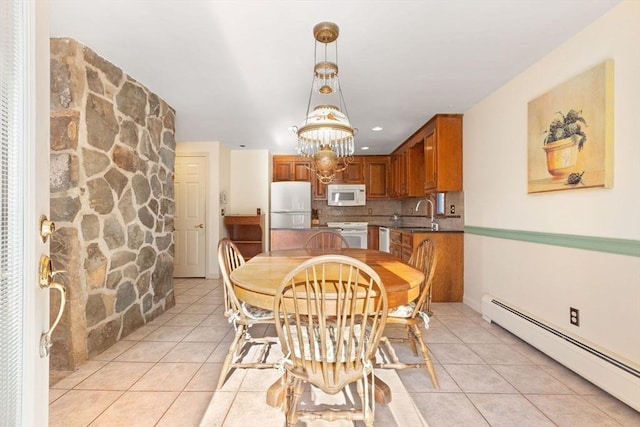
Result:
{"points": [[370, 211], [222, 212], [574, 316], [452, 209]]}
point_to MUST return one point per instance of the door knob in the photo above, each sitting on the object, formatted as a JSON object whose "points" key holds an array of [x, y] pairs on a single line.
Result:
{"points": [[200, 226]]}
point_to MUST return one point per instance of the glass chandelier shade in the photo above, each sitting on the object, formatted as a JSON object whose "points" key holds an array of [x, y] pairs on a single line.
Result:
{"points": [[326, 135]]}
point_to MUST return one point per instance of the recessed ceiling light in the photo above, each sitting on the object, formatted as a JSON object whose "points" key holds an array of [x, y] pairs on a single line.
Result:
{"points": [[364, 148], [376, 128]]}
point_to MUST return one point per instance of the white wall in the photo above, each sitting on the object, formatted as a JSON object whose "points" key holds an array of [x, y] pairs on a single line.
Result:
{"points": [[250, 177], [541, 279], [218, 180]]}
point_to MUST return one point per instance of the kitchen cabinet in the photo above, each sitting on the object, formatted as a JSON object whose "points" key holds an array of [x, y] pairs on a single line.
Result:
{"points": [[395, 244], [369, 170], [372, 237], [353, 174], [415, 168], [376, 176], [400, 171], [247, 233], [448, 279], [443, 153], [318, 189], [407, 167], [291, 168]]}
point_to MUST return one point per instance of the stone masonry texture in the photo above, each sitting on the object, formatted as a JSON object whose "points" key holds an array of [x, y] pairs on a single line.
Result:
{"points": [[112, 199]]}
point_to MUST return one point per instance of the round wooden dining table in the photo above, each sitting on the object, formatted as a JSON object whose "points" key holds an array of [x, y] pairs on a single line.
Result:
{"points": [[257, 280]]}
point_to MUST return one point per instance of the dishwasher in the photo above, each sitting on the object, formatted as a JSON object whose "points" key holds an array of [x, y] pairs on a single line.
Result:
{"points": [[383, 239]]}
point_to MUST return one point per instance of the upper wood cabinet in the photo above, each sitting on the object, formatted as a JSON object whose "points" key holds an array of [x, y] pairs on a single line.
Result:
{"points": [[291, 168], [429, 161], [369, 170], [415, 168], [376, 176], [443, 153], [353, 174], [319, 189], [407, 168], [399, 173]]}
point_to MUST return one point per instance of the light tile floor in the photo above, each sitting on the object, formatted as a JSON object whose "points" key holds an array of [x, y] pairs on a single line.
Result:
{"points": [[164, 374]]}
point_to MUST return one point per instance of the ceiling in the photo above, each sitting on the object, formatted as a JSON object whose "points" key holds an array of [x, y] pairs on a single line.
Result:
{"points": [[239, 72]]}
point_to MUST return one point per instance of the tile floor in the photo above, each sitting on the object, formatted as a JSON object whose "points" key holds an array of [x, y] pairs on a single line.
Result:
{"points": [[164, 374]]}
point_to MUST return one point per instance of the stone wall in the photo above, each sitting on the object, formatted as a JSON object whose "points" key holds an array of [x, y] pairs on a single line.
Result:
{"points": [[112, 199]]}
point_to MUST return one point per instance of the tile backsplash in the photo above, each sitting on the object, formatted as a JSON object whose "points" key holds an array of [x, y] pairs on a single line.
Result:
{"points": [[380, 212]]}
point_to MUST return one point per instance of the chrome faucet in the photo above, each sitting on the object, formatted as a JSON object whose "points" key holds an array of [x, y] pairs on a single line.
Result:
{"points": [[432, 223]]}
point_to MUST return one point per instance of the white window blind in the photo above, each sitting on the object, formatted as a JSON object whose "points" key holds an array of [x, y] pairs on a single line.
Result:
{"points": [[11, 205]]}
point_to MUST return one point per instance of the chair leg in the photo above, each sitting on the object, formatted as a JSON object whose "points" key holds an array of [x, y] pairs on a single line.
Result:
{"points": [[277, 392], [230, 355], [428, 303], [294, 395], [425, 355], [412, 340], [368, 400]]}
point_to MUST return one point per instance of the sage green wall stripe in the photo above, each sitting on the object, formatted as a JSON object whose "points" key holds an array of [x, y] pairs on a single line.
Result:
{"points": [[600, 244]]}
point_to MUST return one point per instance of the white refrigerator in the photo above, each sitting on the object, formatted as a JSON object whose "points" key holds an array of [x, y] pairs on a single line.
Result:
{"points": [[290, 204]]}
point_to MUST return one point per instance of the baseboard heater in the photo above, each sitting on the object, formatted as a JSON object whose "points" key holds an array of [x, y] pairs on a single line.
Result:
{"points": [[617, 377]]}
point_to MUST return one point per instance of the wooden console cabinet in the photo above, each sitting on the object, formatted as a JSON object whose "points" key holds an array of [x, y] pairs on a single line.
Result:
{"points": [[247, 233]]}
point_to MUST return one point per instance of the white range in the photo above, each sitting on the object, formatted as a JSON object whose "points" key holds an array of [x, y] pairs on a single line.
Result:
{"points": [[355, 233]]}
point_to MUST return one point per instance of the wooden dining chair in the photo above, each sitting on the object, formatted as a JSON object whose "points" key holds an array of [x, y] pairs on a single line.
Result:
{"points": [[332, 311], [242, 315], [413, 315], [326, 239]]}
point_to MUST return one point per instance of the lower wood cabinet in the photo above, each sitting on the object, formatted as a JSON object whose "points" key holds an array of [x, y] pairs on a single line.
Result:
{"points": [[373, 237], [448, 279]]}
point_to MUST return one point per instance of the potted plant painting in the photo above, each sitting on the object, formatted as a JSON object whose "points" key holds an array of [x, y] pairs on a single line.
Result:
{"points": [[563, 141]]}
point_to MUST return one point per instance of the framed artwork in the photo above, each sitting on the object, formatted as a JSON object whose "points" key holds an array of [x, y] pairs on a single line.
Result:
{"points": [[570, 134]]}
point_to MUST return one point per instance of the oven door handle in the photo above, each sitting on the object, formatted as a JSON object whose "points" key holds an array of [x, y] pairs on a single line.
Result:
{"points": [[353, 231]]}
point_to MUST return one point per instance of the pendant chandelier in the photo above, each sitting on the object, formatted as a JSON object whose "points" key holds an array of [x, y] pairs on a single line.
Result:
{"points": [[326, 136]]}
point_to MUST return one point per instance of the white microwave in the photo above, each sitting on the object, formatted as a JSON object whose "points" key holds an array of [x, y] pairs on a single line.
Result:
{"points": [[346, 195]]}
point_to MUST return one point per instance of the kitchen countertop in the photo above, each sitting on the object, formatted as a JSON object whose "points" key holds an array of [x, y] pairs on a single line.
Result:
{"points": [[423, 230], [406, 229], [410, 229]]}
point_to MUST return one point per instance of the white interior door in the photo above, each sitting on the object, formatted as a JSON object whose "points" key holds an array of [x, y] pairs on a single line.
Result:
{"points": [[24, 183], [190, 225]]}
